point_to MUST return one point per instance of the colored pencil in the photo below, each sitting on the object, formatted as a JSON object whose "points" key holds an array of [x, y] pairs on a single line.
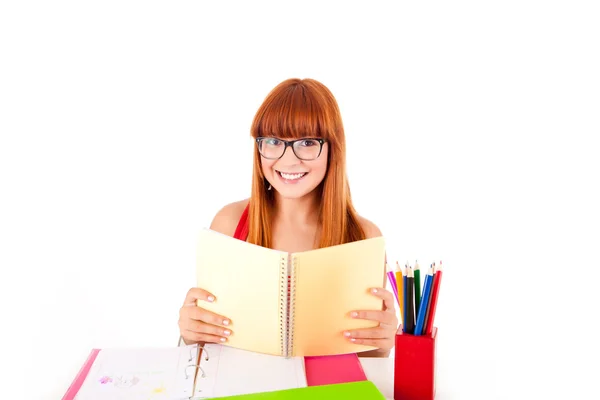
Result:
{"points": [[405, 302], [400, 283], [437, 279], [392, 279], [410, 313], [417, 273], [428, 308], [423, 304]]}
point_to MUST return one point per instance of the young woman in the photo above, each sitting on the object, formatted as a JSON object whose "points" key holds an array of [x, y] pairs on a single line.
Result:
{"points": [[300, 201]]}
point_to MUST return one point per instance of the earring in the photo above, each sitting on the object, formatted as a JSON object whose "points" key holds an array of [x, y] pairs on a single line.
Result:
{"points": [[269, 188]]}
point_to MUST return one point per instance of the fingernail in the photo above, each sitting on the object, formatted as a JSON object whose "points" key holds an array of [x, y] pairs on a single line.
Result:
{"points": [[211, 298], [227, 332], [353, 340], [347, 334], [374, 290], [223, 339], [225, 322], [354, 314]]}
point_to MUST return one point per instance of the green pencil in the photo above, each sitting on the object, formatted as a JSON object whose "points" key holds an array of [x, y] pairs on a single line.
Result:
{"points": [[417, 286]]}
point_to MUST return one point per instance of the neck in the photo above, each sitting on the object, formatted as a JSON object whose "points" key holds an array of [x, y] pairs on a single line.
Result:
{"points": [[302, 211]]}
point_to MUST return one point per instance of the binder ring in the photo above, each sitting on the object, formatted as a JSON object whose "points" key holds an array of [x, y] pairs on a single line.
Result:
{"points": [[187, 376], [203, 350], [206, 357]]}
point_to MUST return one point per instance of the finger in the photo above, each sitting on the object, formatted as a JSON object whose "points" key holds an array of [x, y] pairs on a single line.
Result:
{"points": [[202, 327], [371, 333], [383, 317], [198, 294], [200, 314], [191, 336], [386, 296]]}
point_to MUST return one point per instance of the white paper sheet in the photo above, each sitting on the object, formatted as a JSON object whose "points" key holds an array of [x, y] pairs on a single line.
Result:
{"points": [[141, 373], [231, 371]]}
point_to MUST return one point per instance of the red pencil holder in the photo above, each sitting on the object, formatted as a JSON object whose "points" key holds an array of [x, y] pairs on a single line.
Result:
{"points": [[414, 366]]}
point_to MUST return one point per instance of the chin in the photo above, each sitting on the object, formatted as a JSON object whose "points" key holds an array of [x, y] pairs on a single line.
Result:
{"points": [[294, 192]]}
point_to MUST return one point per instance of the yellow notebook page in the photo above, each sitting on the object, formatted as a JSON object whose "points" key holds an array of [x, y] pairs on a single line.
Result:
{"points": [[245, 279], [329, 284]]}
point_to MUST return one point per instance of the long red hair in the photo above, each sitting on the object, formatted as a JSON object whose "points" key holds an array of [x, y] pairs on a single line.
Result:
{"points": [[298, 108]]}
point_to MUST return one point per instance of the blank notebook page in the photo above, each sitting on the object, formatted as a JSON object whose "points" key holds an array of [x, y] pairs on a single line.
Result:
{"points": [[231, 371], [232, 270]]}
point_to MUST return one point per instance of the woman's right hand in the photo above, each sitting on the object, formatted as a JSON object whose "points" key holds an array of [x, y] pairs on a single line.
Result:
{"points": [[199, 325]]}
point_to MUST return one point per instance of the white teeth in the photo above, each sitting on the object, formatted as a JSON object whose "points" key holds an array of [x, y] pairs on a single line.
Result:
{"points": [[292, 176]]}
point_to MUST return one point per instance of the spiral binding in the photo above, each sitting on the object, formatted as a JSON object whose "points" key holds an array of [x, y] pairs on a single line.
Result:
{"points": [[292, 307], [283, 304]]}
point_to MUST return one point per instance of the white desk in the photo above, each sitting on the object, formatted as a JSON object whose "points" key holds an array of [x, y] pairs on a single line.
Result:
{"points": [[381, 372], [462, 379]]}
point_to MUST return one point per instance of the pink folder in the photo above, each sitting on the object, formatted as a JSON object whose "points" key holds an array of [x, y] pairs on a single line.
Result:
{"points": [[80, 377], [328, 370]]}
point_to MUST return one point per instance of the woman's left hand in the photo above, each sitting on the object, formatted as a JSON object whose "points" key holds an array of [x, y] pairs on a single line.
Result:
{"points": [[382, 336]]}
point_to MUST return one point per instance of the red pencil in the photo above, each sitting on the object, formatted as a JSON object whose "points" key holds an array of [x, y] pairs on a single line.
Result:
{"points": [[437, 277]]}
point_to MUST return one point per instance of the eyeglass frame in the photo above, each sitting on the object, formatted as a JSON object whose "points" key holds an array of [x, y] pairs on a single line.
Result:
{"points": [[290, 143]]}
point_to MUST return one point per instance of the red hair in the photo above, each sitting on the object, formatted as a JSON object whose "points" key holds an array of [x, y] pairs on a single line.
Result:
{"points": [[298, 108]]}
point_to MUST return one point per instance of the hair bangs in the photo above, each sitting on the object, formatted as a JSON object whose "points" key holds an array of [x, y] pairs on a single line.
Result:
{"points": [[294, 112]]}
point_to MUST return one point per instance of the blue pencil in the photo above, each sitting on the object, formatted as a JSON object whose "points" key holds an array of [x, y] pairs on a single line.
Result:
{"points": [[424, 300]]}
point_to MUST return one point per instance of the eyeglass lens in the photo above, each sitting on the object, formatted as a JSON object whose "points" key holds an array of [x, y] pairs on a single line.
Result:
{"points": [[305, 149]]}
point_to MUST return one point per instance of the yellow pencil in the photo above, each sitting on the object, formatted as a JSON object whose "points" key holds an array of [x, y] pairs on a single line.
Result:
{"points": [[399, 274]]}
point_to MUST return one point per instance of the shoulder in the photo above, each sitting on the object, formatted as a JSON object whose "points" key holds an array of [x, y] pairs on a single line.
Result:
{"points": [[371, 230], [228, 217]]}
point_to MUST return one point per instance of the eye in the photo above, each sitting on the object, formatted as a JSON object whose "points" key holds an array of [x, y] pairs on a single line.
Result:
{"points": [[272, 142], [309, 143]]}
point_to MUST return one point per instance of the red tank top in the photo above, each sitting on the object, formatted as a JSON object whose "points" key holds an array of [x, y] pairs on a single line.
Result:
{"points": [[241, 232]]}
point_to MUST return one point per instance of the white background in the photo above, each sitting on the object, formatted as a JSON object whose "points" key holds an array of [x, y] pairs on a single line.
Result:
{"points": [[470, 131]]}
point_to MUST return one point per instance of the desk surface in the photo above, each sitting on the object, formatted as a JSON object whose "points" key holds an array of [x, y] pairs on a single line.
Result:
{"points": [[455, 378]]}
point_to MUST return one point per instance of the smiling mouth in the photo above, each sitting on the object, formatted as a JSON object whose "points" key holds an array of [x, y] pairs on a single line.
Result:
{"points": [[291, 177]]}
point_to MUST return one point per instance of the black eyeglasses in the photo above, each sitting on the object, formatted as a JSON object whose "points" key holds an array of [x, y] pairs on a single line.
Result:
{"points": [[306, 149]]}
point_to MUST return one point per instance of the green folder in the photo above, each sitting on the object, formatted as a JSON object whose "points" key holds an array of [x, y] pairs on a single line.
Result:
{"points": [[363, 390]]}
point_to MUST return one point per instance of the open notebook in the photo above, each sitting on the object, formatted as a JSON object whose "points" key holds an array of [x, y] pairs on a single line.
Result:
{"points": [[182, 373], [291, 304]]}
